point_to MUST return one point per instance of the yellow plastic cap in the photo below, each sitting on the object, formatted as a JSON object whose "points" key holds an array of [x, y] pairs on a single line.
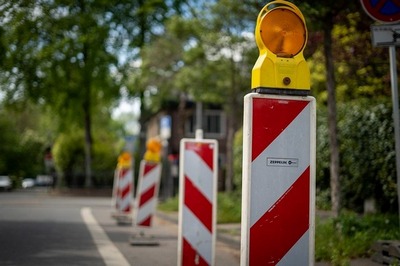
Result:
{"points": [[283, 32], [281, 36], [124, 160]]}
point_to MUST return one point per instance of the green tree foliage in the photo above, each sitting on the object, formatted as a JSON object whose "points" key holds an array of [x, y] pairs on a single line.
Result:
{"points": [[368, 156], [68, 152], [22, 149], [361, 71], [71, 55], [8, 149], [323, 17], [207, 57], [58, 55], [367, 139], [340, 39]]}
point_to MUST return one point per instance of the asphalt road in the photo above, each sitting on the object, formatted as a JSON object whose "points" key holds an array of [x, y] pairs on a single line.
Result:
{"points": [[37, 228]]}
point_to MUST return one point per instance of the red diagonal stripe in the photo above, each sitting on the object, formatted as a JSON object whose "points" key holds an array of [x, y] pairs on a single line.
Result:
{"points": [[190, 256], [146, 222], [123, 172], [282, 225], [147, 195], [204, 150], [270, 118], [127, 208], [198, 204], [125, 191], [148, 167]]}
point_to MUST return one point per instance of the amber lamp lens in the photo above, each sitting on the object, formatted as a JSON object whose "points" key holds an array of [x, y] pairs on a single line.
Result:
{"points": [[283, 32]]}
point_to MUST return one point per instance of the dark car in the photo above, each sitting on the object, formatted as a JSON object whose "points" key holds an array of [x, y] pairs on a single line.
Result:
{"points": [[44, 180]]}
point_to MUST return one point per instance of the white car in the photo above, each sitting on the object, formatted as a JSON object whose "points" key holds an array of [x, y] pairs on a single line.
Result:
{"points": [[28, 183], [5, 183]]}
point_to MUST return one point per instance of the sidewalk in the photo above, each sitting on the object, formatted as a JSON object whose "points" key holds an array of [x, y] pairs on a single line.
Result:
{"points": [[230, 235]]}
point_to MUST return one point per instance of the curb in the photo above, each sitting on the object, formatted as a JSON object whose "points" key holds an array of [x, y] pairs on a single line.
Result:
{"points": [[232, 240]]}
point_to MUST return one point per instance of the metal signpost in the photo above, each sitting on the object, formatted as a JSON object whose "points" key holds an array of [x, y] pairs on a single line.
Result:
{"points": [[278, 193], [388, 35]]}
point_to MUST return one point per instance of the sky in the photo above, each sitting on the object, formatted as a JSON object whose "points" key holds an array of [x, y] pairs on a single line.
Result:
{"points": [[128, 111]]}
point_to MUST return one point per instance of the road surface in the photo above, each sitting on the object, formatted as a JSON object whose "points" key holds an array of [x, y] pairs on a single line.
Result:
{"points": [[37, 228]]}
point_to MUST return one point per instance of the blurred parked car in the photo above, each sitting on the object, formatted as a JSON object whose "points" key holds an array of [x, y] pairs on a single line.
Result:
{"points": [[44, 180], [5, 183], [28, 183]]}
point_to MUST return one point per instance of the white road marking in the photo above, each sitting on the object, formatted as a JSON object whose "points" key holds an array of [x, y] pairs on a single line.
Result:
{"points": [[110, 253]]}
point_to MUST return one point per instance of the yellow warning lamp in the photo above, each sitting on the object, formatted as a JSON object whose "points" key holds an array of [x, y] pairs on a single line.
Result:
{"points": [[281, 36], [124, 160], [153, 150]]}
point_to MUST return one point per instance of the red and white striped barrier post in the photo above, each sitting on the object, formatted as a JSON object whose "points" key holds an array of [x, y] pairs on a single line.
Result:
{"points": [[123, 188], [278, 196], [197, 201], [278, 188], [147, 193]]}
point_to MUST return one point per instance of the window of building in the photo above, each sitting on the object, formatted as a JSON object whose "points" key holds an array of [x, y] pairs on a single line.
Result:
{"points": [[213, 124]]}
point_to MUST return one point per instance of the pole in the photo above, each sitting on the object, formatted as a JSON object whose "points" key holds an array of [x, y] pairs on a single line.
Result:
{"points": [[199, 115], [396, 118]]}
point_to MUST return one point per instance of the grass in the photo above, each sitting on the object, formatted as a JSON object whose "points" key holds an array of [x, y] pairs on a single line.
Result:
{"points": [[229, 210], [351, 236], [337, 240], [170, 205]]}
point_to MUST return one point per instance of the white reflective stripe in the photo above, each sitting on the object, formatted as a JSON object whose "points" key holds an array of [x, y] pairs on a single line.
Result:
{"points": [[126, 179], [199, 173], [295, 256], [108, 251], [125, 202], [146, 210], [150, 178], [197, 235], [289, 144]]}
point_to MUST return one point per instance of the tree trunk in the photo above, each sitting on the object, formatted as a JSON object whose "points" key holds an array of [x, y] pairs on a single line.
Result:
{"points": [[233, 115], [332, 124], [181, 115], [88, 145], [87, 94], [229, 151], [143, 128]]}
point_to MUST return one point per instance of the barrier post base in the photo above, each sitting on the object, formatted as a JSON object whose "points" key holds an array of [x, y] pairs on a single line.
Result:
{"points": [[143, 240]]}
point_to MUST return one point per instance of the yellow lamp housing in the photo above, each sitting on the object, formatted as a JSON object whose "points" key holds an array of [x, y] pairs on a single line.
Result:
{"points": [[281, 36], [124, 160], [153, 150]]}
